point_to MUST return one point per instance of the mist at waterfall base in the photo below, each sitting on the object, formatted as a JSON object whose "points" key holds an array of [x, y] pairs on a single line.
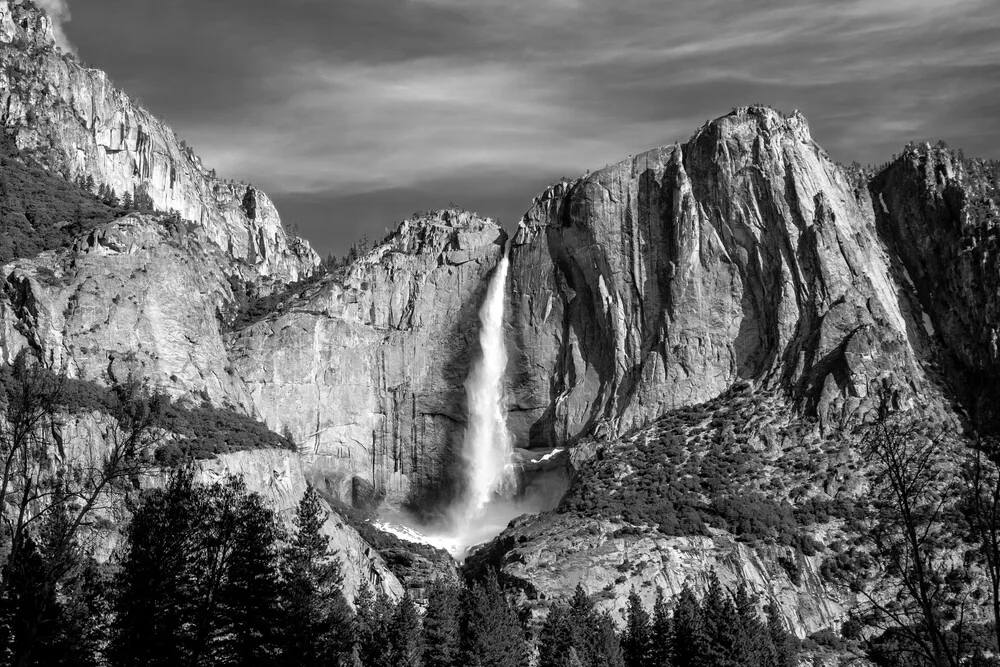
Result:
{"points": [[491, 497]]}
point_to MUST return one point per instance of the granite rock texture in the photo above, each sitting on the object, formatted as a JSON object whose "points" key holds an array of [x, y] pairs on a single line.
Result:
{"points": [[660, 281], [78, 123], [368, 374]]}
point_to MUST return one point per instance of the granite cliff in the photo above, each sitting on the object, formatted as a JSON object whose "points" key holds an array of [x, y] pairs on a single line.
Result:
{"points": [[658, 282], [73, 119]]}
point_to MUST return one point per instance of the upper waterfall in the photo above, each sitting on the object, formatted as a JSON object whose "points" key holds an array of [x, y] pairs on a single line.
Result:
{"points": [[486, 448]]}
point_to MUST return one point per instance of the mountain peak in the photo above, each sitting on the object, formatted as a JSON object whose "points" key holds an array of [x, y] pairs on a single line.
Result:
{"points": [[24, 24], [757, 119]]}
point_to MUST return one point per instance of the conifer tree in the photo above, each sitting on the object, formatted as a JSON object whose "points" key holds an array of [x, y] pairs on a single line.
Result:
{"points": [[636, 638], [441, 626], [88, 184], [720, 624], [556, 639], [317, 619], [405, 634], [690, 639], [752, 644], [781, 645], [198, 581], [491, 632], [127, 202], [373, 622], [604, 644], [661, 633]]}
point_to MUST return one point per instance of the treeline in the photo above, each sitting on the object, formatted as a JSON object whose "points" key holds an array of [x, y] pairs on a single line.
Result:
{"points": [[205, 576], [722, 629], [63, 485]]}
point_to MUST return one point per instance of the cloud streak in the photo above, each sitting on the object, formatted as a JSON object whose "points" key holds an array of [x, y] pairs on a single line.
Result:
{"points": [[374, 100]]}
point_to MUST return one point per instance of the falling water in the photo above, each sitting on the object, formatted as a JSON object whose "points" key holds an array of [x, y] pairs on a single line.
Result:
{"points": [[491, 497], [487, 448]]}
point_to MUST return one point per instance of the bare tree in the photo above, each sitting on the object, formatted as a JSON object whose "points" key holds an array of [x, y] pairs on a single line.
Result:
{"points": [[982, 510], [912, 576], [55, 480]]}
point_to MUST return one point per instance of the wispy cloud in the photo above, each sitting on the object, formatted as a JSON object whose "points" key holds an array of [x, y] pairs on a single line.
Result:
{"points": [[350, 99]]}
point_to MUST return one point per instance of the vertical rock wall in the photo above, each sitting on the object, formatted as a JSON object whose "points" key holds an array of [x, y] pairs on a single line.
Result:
{"points": [[77, 122], [658, 282]]}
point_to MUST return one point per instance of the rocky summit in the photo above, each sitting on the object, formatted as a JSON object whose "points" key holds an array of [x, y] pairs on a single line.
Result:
{"points": [[695, 337]]}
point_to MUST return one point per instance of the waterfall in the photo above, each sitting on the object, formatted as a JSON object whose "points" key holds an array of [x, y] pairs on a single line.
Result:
{"points": [[486, 449], [491, 497]]}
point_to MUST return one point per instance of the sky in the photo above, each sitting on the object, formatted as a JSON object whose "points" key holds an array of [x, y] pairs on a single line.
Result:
{"points": [[352, 114]]}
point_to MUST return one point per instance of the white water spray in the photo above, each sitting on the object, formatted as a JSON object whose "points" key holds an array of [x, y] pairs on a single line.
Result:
{"points": [[487, 446], [491, 497]]}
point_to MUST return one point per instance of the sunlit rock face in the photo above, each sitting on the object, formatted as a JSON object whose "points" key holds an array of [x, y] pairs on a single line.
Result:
{"points": [[277, 476], [658, 282], [78, 123], [368, 375]]}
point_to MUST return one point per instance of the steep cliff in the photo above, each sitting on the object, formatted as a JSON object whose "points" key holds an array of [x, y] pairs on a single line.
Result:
{"points": [[367, 375], [74, 120], [940, 214], [139, 295], [659, 282]]}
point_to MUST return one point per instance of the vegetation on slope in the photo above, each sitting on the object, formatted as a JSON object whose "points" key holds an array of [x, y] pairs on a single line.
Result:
{"points": [[195, 431], [736, 463], [40, 211]]}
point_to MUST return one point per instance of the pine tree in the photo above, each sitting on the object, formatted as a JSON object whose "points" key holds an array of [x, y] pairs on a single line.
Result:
{"points": [[720, 624], [690, 639], [373, 623], [405, 634], [603, 641], [88, 184], [635, 640], [556, 639], [127, 203], [784, 655], [441, 626], [661, 633], [198, 581], [317, 619], [752, 646], [491, 631]]}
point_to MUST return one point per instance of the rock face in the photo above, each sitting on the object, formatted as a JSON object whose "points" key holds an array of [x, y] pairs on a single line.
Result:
{"points": [[277, 476], [941, 216], [658, 282], [78, 123], [550, 556], [133, 296], [368, 375]]}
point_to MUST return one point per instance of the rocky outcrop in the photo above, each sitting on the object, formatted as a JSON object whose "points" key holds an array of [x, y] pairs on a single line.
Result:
{"points": [[74, 120], [658, 282], [140, 296], [940, 214], [550, 555], [277, 476], [367, 375]]}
